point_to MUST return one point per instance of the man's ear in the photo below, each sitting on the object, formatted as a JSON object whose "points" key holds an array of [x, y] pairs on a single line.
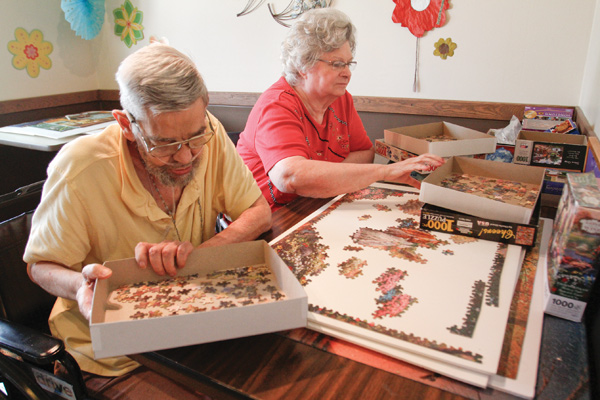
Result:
{"points": [[124, 123]]}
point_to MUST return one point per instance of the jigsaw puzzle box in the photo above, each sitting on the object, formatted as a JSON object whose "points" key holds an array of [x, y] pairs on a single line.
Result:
{"points": [[573, 258], [551, 150], [440, 219], [440, 138], [123, 321], [397, 154], [513, 189], [546, 118], [390, 152]]}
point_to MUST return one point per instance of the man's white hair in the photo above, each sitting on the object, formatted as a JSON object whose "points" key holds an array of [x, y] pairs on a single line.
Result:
{"points": [[157, 79]]}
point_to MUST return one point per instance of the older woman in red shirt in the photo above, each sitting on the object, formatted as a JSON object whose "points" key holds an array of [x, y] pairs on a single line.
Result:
{"points": [[304, 137]]}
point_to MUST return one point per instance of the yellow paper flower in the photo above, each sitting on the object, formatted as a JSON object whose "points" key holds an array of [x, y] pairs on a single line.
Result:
{"points": [[444, 48], [30, 51]]}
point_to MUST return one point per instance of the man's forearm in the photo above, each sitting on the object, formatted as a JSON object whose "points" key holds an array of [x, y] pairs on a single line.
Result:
{"points": [[56, 279], [250, 224]]}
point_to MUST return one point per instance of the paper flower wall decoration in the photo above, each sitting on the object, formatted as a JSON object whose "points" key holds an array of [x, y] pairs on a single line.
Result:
{"points": [[30, 51], [444, 48], [128, 23], [420, 16], [85, 16]]}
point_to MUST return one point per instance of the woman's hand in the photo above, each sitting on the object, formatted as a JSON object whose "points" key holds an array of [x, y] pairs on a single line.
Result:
{"points": [[164, 257], [400, 172]]}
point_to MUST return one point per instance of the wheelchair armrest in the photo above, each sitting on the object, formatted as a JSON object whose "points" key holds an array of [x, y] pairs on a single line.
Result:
{"points": [[22, 381], [29, 344]]}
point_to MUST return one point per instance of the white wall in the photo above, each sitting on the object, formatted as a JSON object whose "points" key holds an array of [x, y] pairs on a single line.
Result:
{"points": [[508, 51], [73, 68], [590, 88]]}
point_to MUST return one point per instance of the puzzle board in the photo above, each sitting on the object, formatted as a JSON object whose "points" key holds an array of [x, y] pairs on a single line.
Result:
{"points": [[371, 273], [517, 373]]}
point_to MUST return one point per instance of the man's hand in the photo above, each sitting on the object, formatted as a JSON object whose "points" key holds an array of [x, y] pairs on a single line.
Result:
{"points": [[164, 257], [90, 273]]}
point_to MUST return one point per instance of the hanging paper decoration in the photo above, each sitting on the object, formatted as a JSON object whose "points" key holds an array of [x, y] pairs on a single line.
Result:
{"points": [[85, 16], [294, 9], [250, 6], [444, 48], [30, 51], [420, 16], [128, 23]]}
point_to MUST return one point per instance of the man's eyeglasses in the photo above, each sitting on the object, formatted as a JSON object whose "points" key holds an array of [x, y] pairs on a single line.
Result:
{"points": [[167, 150], [340, 65]]}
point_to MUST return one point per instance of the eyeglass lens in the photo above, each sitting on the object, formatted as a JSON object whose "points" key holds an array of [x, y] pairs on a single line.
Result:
{"points": [[340, 64], [172, 148]]}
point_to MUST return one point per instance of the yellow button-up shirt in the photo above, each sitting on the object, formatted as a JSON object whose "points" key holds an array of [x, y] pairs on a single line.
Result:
{"points": [[94, 209]]}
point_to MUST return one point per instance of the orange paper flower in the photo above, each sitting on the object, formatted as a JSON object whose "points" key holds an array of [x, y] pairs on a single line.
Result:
{"points": [[30, 51], [420, 16]]}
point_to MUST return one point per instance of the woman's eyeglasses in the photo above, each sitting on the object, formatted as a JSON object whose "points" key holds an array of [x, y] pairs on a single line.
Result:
{"points": [[340, 65]]}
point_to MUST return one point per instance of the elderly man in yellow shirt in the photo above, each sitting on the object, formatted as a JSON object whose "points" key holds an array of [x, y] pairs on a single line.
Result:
{"points": [[150, 186]]}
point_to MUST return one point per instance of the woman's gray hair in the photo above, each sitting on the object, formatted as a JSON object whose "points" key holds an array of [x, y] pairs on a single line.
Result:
{"points": [[317, 31], [157, 79]]}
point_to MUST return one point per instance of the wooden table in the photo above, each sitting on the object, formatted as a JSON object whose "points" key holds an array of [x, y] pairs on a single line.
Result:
{"points": [[274, 366]]}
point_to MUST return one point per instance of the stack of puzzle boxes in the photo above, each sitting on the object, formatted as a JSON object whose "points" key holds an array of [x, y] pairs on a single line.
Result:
{"points": [[468, 195], [440, 138], [483, 199], [550, 139]]}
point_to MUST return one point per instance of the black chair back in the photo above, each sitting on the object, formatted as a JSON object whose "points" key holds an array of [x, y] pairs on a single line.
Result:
{"points": [[21, 300], [20, 200], [28, 354]]}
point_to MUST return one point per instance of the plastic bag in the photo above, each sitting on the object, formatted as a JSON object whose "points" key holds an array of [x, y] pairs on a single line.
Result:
{"points": [[508, 134]]}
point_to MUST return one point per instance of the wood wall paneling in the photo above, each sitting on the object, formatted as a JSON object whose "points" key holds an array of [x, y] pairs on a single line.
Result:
{"points": [[43, 102], [462, 110], [233, 108]]}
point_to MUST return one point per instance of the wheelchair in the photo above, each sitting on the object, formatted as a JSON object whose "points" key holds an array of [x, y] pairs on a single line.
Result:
{"points": [[28, 353]]}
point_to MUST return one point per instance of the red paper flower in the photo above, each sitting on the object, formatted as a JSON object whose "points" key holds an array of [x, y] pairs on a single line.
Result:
{"points": [[420, 16]]}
